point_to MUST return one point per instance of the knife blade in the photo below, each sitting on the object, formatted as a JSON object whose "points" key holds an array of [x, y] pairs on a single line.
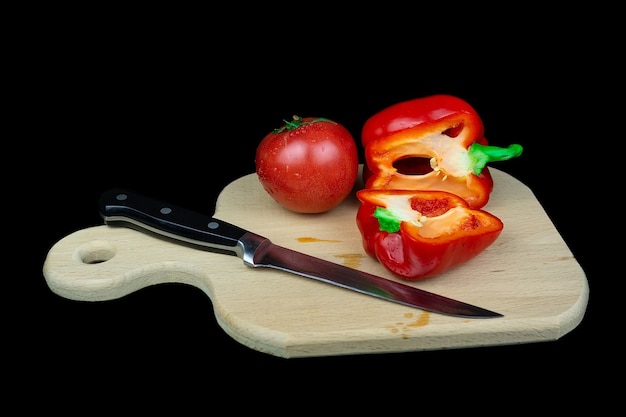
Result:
{"points": [[127, 208]]}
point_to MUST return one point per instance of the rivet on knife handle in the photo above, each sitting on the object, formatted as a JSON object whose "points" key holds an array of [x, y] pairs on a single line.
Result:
{"points": [[119, 206]]}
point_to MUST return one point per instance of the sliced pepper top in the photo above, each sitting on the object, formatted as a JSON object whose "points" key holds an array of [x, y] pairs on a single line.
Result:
{"points": [[443, 131], [419, 111]]}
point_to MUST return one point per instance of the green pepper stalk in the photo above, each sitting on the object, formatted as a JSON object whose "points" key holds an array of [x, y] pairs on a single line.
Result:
{"points": [[481, 155]]}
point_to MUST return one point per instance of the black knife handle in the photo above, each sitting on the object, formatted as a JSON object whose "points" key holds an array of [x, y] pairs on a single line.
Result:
{"points": [[119, 206]]}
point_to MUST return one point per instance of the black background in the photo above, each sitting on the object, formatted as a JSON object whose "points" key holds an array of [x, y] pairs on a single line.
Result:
{"points": [[174, 107]]}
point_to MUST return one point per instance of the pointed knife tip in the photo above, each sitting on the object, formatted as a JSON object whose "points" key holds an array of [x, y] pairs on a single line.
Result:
{"points": [[490, 315]]}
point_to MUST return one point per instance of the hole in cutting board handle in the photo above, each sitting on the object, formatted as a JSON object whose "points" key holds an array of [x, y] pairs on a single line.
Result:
{"points": [[95, 252]]}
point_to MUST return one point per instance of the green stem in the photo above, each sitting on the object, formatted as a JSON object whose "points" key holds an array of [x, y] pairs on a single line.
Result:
{"points": [[297, 122], [387, 221], [481, 155]]}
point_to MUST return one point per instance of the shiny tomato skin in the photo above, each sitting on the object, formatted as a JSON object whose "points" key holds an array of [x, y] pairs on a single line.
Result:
{"points": [[309, 168]]}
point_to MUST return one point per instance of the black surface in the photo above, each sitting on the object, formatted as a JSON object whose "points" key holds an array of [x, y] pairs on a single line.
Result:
{"points": [[178, 116]]}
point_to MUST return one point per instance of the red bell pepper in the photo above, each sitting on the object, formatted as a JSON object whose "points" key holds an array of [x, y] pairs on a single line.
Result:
{"points": [[419, 234], [431, 143]]}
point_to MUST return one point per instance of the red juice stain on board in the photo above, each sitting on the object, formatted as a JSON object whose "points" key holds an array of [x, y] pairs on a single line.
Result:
{"points": [[314, 239]]}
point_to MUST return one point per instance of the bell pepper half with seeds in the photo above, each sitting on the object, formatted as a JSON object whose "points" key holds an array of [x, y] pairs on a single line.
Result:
{"points": [[417, 234], [431, 143]]}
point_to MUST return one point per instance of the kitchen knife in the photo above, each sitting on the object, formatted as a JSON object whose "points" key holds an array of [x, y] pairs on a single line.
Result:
{"points": [[124, 207]]}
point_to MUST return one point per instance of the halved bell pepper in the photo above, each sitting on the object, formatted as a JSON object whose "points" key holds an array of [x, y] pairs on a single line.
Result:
{"points": [[418, 234], [431, 143]]}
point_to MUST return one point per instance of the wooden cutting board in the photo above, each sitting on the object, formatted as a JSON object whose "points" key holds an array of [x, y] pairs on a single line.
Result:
{"points": [[529, 275]]}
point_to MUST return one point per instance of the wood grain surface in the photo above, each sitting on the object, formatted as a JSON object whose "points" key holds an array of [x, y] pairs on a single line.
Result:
{"points": [[529, 275]]}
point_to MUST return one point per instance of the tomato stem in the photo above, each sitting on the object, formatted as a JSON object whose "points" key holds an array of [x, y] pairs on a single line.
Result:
{"points": [[297, 122]]}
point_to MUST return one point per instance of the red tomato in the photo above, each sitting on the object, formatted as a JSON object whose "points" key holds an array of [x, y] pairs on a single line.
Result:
{"points": [[309, 165]]}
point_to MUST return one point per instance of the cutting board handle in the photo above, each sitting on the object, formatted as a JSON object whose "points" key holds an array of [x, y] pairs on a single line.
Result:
{"points": [[104, 262]]}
